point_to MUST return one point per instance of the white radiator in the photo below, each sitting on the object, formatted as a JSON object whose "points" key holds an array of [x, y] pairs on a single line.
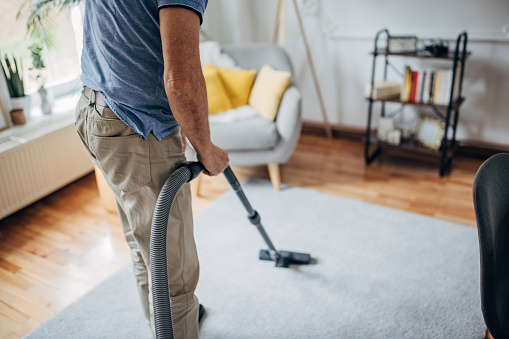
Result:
{"points": [[38, 162]]}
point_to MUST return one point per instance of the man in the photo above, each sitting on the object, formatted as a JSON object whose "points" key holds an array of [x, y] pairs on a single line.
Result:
{"points": [[140, 58]]}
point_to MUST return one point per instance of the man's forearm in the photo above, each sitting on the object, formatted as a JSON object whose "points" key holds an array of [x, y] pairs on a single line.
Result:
{"points": [[188, 100], [185, 85], [183, 76]]}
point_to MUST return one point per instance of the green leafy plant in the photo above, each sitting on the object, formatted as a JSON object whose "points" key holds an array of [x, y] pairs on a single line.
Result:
{"points": [[37, 61], [39, 21], [14, 76]]}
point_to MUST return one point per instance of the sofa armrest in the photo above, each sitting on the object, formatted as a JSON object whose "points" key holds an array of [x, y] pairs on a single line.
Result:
{"points": [[289, 115]]}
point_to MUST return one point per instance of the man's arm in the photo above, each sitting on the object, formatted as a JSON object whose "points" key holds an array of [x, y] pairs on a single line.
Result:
{"points": [[185, 85]]}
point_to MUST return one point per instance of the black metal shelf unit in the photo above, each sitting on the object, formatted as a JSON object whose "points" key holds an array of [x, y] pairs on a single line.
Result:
{"points": [[448, 145]]}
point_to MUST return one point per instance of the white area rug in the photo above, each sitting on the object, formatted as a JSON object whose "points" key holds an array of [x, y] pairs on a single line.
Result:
{"points": [[380, 273]]}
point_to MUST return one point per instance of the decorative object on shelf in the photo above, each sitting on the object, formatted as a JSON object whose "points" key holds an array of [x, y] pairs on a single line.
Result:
{"points": [[394, 137], [402, 44], [14, 76], [383, 90], [18, 116], [430, 133], [437, 47], [385, 127], [407, 131]]}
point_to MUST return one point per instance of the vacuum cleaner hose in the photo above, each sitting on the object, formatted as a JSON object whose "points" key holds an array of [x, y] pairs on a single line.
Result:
{"points": [[158, 263]]}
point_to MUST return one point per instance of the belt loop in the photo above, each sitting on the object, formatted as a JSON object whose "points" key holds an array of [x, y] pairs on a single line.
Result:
{"points": [[92, 92], [89, 98]]}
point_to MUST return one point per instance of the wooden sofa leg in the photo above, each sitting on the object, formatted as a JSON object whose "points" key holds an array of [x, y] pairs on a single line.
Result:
{"points": [[488, 335], [274, 175], [198, 184]]}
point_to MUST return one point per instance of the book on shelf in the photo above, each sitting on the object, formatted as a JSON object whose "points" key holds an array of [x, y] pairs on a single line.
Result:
{"points": [[383, 90], [429, 86]]}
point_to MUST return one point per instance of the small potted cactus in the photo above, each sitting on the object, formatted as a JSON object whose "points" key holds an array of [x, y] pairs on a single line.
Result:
{"points": [[14, 76]]}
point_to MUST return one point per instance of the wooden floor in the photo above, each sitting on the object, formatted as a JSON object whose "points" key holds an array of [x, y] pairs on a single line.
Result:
{"points": [[56, 250]]}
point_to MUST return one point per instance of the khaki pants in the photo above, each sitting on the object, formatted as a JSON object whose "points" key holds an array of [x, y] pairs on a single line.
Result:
{"points": [[136, 171]]}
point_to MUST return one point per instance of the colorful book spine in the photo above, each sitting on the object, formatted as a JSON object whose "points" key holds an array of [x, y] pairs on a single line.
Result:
{"points": [[414, 86], [423, 86], [430, 87], [407, 84], [445, 88], [418, 85], [403, 96], [425, 89], [438, 80]]}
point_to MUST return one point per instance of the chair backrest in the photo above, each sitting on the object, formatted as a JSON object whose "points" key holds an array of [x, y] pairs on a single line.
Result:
{"points": [[255, 55], [491, 204]]}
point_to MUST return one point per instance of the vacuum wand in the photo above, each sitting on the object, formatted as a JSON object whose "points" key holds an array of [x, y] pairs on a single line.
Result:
{"points": [[282, 258], [184, 173], [252, 215]]}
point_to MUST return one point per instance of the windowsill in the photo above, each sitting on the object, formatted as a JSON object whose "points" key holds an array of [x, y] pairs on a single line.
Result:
{"points": [[38, 124]]}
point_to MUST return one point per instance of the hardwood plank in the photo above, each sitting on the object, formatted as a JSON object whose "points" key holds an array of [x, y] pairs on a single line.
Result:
{"points": [[57, 249]]}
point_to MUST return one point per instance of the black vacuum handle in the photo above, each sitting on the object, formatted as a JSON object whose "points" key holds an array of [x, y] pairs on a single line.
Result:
{"points": [[195, 167]]}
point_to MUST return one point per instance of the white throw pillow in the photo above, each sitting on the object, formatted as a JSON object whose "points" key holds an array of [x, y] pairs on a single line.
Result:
{"points": [[210, 54], [232, 115]]}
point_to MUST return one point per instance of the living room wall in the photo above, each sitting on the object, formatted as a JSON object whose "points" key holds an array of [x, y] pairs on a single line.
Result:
{"points": [[341, 34]]}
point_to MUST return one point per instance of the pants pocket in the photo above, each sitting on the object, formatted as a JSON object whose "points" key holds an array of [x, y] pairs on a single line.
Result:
{"points": [[80, 123], [124, 159]]}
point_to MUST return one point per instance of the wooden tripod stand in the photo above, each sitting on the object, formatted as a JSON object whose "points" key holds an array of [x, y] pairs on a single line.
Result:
{"points": [[279, 35]]}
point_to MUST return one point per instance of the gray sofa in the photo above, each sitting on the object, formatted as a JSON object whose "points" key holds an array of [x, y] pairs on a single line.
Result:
{"points": [[257, 141]]}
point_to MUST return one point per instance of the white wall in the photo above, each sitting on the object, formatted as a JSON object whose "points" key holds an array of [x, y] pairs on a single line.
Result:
{"points": [[341, 34]]}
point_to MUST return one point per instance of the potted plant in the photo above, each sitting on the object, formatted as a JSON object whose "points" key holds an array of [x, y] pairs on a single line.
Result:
{"points": [[39, 18], [14, 77], [38, 66]]}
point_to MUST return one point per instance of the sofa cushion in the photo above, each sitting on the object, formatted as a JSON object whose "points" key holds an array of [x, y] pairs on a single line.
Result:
{"points": [[268, 89], [218, 99], [254, 133], [238, 84]]}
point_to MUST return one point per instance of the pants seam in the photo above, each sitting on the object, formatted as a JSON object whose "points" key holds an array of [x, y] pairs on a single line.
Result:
{"points": [[183, 266], [183, 245], [185, 318]]}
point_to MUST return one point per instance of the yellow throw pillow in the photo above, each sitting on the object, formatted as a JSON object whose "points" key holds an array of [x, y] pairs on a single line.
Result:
{"points": [[238, 84], [217, 96], [268, 90]]}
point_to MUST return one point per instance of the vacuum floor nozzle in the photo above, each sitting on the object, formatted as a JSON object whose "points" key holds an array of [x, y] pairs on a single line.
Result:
{"points": [[287, 258]]}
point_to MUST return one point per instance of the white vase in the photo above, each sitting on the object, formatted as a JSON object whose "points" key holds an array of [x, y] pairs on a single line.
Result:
{"points": [[45, 100], [24, 103]]}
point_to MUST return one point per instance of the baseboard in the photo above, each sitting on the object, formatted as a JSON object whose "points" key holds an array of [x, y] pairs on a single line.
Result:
{"points": [[480, 149], [470, 148], [338, 131]]}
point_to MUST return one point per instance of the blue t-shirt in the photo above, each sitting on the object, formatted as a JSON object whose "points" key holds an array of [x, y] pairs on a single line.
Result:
{"points": [[123, 60]]}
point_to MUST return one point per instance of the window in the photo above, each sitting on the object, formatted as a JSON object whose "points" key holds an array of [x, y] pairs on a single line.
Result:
{"points": [[62, 61]]}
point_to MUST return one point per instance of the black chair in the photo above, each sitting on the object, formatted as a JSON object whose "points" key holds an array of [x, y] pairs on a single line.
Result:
{"points": [[491, 204]]}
